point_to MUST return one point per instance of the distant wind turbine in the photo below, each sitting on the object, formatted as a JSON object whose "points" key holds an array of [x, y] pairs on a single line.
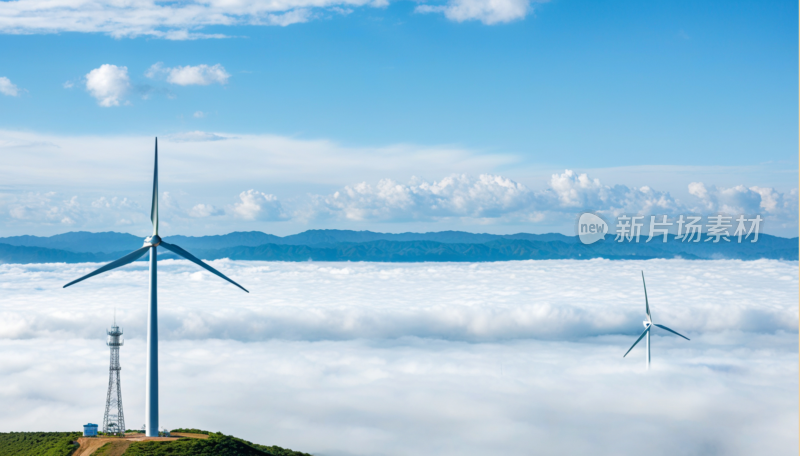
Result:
{"points": [[150, 244], [647, 325]]}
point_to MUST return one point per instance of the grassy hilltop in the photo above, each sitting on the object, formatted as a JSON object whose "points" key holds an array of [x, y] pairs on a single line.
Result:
{"points": [[63, 444]]}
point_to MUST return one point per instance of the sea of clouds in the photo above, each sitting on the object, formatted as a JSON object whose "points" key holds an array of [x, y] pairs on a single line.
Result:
{"points": [[424, 358]]}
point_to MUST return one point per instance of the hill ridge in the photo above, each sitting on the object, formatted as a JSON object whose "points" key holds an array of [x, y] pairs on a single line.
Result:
{"points": [[346, 245]]}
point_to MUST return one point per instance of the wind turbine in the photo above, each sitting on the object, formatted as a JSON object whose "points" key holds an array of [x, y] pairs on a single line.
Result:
{"points": [[151, 243], [647, 325]]}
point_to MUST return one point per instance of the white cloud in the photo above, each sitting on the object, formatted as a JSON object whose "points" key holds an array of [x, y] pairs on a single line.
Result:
{"points": [[108, 84], [779, 209], [113, 202], [489, 12], [54, 209], [8, 88], [198, 114], [496, 197], [45, 208], [204, 210], [456, 195], [185, 20], [68, 84], [578, 191], [196, 136], [254, 205], [173, 21], [469, 359], [190, 75], [491, 196]]}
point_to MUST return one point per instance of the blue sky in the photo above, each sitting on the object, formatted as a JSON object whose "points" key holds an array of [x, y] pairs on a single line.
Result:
{"points": [[655, 94]]}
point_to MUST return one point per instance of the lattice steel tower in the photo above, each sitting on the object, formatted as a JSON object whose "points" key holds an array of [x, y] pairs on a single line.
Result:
{"points": [[114, 420]]}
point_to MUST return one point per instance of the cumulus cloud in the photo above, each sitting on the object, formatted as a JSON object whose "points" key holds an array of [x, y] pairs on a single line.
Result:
{"points": [[579, 191], [113, 202], [741, 199], [487, 197], [255, 205], [53, 209], [489, 12], [45, 208], [108, 84], [470, 359], [456, 195], [8, 88], [491, 196], [173, 21], [204, 210], [190, 75], [778, 209]]}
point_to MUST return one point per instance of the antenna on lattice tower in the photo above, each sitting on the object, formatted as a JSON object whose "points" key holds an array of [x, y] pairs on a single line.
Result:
{"points": [[114, 419]]}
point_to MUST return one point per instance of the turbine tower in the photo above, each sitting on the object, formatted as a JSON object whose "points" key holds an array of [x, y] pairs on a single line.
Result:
{"points": [[647, 325], [151, 243], [114, 419]]}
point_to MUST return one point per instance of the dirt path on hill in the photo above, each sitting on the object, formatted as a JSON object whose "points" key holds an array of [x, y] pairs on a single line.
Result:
{"points": [[88, 445]]}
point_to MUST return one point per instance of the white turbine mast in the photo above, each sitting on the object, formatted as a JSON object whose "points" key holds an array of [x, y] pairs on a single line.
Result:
{"points": [[150, 244], [648, 324]]}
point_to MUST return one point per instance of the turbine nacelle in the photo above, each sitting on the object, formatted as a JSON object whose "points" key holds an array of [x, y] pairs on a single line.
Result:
{"points": [[646, 324], [152, 241]]}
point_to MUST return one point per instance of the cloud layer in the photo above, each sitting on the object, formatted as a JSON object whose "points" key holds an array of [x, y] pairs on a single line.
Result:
{"points": [[185, 20], [466, 359], [482, 302]]}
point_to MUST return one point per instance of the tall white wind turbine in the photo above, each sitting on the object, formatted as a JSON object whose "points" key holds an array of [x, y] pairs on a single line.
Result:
{"points": [[647, 325], [150, 244]]}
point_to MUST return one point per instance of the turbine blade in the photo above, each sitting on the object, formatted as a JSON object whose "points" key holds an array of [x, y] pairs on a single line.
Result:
{"points": [[637, 341], [129, 258], [154, 206], [174, 248], [646, 304], [673, 332]]}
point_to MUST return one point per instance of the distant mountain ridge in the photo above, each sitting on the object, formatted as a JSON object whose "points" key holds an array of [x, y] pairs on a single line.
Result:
{"points": [[344, 245], [83, 241]]}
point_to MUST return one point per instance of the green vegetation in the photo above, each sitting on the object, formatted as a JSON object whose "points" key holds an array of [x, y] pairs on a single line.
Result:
{"points": [[276, 450], [191, 431], [104, 450], [60, 444], [38, 443], [215, 445], [270, 450]]}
